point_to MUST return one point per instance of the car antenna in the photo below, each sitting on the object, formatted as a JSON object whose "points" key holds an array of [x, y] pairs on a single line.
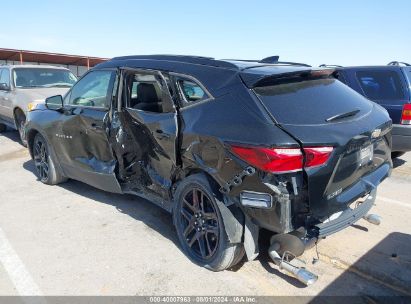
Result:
{"points": [[271, 59]]}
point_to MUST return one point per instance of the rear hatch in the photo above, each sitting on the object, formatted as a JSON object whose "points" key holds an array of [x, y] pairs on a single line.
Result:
{"points": [[320, 111]]}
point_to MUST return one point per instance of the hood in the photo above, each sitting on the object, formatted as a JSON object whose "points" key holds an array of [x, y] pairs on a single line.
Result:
{"points": [[40, 94]]}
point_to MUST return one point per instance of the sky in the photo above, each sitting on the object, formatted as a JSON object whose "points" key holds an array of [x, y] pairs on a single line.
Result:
{"points": [[344, 32]]}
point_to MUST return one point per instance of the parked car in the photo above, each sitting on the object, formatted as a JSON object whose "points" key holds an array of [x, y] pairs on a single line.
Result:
{"points": [[22, 86], [389, 86], [228, 147]]}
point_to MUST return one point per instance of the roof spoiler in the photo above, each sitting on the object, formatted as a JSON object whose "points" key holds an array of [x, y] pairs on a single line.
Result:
{"points": [[272, 79]]}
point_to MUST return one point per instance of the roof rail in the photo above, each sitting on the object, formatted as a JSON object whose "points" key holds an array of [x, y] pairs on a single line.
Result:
{"points": [[276, 60], [294, 63], [270, 60], [182, 58], [398, 63], [330, 66]]}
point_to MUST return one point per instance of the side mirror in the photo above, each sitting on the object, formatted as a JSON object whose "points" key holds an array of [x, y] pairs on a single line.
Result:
{"points": [[4, 87], [54, 102]]}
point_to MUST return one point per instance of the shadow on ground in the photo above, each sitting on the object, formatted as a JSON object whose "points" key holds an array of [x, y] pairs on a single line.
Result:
{"points": [[388, 264], [397, 162], [138, 208], [11, 134]]}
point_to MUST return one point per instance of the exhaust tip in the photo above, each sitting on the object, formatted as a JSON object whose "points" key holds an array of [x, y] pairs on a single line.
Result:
{"points": [[301, 274], [306, 277], [373, 219]]}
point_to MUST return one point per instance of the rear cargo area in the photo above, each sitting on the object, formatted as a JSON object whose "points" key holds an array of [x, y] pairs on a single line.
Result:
{"points": [[323, 112]]}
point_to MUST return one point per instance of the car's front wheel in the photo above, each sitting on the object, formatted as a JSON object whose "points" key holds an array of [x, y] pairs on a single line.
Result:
{"points": [[45, 164], [200, 227], [20, 123]]}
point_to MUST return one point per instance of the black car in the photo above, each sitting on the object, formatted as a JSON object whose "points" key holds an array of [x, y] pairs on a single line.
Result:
{"points": [[229, 147], [389, 86]]}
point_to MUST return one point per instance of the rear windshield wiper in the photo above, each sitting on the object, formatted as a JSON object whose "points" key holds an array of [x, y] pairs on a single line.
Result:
{"points": [[342, 115]]}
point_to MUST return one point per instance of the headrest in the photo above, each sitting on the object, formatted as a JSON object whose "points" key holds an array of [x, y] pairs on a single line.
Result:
{"points": [[147, 93]]}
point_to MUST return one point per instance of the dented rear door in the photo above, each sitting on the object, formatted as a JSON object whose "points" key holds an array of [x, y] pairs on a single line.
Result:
{"points": [[144, 135]]}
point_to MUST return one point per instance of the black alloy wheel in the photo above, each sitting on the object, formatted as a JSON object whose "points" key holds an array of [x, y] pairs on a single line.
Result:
{"points": [[198, 219]]}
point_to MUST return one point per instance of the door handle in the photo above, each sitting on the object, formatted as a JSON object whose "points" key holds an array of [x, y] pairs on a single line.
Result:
{"points": [[161, 134], [95, 126]]}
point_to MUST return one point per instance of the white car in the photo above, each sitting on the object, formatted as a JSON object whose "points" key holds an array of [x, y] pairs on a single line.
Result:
{"points": [[24, 86]]}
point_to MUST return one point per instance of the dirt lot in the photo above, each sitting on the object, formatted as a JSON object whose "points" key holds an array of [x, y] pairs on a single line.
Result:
{"points": [[75, 240]]}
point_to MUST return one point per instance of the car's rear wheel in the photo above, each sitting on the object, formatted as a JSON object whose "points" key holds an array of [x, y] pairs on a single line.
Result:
{"points": [[3, 127], [200, 227], [397, 154], [46, 169], [20, 123]]}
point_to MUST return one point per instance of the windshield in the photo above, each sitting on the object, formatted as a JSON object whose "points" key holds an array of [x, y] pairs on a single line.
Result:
{"points": [[44, 78]]}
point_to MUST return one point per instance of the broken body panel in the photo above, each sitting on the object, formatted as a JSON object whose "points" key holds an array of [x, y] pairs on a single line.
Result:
{"points": [[122, 149]]}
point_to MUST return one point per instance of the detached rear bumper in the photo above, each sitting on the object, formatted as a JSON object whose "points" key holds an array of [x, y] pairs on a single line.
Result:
{"points": [[401, 138], [347, 218], [367, 184]]}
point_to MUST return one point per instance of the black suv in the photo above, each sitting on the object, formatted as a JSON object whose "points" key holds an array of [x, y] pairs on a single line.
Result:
{"points": [[227, 146], [389, 86]]}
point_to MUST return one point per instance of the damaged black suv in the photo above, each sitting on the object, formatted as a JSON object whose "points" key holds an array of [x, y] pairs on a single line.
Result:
{"points": [[227, 146]]}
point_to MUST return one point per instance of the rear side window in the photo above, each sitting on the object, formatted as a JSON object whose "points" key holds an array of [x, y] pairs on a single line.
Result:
{"points": [[381, 85], [191, 91]]}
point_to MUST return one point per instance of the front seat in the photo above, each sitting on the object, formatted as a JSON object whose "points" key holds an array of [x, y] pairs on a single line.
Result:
{"points": [[147, 99]]}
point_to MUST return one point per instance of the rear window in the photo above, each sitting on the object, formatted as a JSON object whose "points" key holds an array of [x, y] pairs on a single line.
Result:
{"points": [[381, 85], [408, 75], [311, 101]]}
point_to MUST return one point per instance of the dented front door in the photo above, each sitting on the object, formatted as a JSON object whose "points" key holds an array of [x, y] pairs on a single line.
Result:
{"points": [[81, 140]]}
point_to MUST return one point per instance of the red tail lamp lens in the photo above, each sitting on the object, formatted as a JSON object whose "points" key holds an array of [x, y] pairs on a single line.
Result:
{"points": [[281, 160], [406, 114], [316, 156], [271, 160]]}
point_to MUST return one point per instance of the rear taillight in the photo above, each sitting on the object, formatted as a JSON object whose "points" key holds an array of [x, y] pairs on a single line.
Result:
{"points": [[281, 160], [406, 114], [316, 156]]}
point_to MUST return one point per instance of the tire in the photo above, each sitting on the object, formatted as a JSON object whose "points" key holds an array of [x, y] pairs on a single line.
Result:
{"points": [[238, 255], [199, 225], [397, 154], [44, 162], [20, 123], [3, 128]]}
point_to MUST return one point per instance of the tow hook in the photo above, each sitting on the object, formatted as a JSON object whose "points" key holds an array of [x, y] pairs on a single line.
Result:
{"points": [[278, 244], [373, 219]]}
